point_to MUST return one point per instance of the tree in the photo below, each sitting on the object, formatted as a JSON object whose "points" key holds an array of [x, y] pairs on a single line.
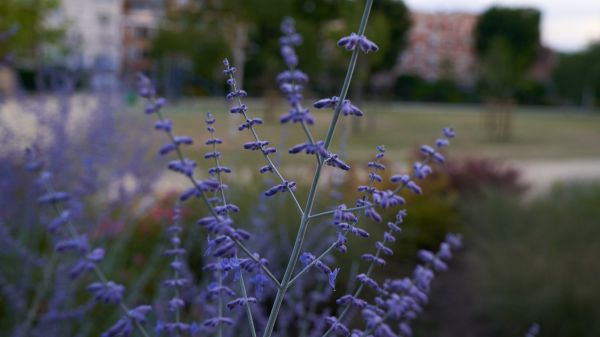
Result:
{"points": [[205, 32], [245, 29], [507, 41], [29, 20], [389, 22], [577, 76]]}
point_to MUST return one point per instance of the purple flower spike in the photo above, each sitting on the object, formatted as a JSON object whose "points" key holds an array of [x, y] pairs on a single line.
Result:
{"points": [[108, 292], [165, 125], [454, 240], [534, 330], [255, 145], [289, 56], [336, 162], [53, 198], [292, 76], [326, 103], [59, 221], [229, 70], [280, 188], [421, 170], [76, 244], [353, 40], [214, 322], [240, 302], [125, 326], [387, 199], [337, 326], [350, 109], [448, 132], [332, 276], [441, 143], [145, 88], [366, 280]]}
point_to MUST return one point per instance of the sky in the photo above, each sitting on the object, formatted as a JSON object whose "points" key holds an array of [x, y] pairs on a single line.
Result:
{"points": [[567, 25]]}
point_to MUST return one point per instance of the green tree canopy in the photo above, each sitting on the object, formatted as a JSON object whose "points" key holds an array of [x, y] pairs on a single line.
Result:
{"points": [[577, 76], [507, 41], [29, 18], [247, 31]]}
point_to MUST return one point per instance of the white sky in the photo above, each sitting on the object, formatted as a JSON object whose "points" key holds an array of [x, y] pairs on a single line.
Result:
{"points": [[567, 25]]}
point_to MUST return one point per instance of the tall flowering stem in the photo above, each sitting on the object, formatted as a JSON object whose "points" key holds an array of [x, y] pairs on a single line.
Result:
{"points": [[184, 165], [176, 282], [104, 290], [403, 299], [311, 195], [217, 170], [342, 211], [258, 143], [292, 81]]}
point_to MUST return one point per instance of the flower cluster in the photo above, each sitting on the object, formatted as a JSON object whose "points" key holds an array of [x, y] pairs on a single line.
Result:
{"points": [[292, 81], [239, 277], [178, 281], [257, 144], [69, 241]]}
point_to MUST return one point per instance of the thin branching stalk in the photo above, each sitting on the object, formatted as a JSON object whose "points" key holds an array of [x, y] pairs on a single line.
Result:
{"points": [[39, 295], [267, 157], [212, 210], [242, 284], [371, 264], [313, 189], [99, 273]]}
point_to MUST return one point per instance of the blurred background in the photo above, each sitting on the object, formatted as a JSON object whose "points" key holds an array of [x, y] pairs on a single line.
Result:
{"points": [[518, 80]]}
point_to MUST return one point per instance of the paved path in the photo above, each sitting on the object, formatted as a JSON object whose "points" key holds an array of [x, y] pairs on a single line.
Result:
{"points": [[542, 174]]}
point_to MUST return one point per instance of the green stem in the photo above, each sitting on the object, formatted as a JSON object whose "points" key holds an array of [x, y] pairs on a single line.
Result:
{"points": [[39, 295], [220, 305], [242, 284], [99, 274], [267, 157], [312, 263], [212, 210], [349, 73], [351, 209], [312, 192], [248, 309]]}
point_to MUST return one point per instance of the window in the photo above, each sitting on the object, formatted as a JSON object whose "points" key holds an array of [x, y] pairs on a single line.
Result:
{"points": [[103, 19], [141, 32]]}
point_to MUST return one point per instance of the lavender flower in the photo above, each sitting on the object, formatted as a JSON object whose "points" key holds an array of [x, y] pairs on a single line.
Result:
{"points": [[534, 330], [176, 282], [125, 326], [354, 40], [69, 240], [257, 143]]}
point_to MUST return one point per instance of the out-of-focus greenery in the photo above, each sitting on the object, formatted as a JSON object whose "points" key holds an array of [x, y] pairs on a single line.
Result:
{"points": [[577, 76], [415, 88], [536, 261], [507, 41], [29, 19], [245, 31], [545, 133]]}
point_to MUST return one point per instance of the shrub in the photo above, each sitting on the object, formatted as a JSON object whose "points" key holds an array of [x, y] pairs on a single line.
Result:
{"points": [[271, 291]]}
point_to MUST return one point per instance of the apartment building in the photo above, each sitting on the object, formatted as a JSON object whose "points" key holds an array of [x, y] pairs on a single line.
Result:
{"points": [[440, 45]]}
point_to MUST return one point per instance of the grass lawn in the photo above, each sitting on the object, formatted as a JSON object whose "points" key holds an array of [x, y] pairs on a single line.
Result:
{"points": [[536, 133]]}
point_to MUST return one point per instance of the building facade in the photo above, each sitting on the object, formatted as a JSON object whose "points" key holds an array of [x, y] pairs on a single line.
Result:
{"points": [[94, 38], [441, 45]]}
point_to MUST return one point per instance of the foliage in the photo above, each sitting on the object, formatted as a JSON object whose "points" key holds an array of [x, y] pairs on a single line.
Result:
{"points": [[414, 88], [536, 261], [473, 176], [577, 76], [29, 20], [507, 41], [245, 29]]}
